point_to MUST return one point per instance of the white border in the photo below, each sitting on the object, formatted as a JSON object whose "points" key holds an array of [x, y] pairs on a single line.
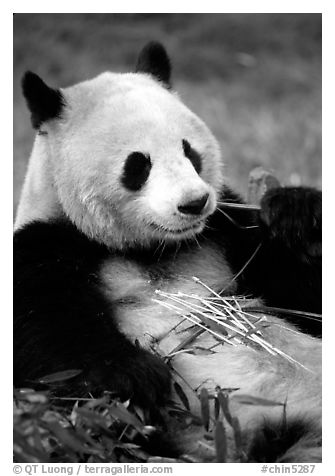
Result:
{"points": [[6, 191]]}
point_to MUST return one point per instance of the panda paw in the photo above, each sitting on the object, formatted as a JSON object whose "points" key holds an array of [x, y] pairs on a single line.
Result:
{"points": [[143, 378], [293, 217]]}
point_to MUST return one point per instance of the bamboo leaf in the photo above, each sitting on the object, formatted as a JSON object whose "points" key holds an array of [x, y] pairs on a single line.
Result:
{"points": [[84, 437], [219, 329], [160, 460], [189, 339], [237, 437], [35, 397], [119, 412], [223, 401], [96, 402], [94, 419], [250, 400], [59, 376], [216, 409], [220, 442], [198, 350], [204, 401], [24, 452], [181, 394], [65, 437]]}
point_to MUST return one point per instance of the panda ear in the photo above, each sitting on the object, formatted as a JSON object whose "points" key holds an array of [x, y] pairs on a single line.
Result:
{"points": [[43, 102], [153, 59]]}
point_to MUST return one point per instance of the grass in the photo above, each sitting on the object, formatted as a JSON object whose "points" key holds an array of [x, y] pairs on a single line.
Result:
{"points": [[254, 78]]}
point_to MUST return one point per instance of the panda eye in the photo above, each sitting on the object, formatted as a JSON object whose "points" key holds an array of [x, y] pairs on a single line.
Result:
{"points": [[136, 171], [192, 155]]}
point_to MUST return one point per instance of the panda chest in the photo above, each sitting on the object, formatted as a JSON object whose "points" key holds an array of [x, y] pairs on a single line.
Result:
{"points": [[133, 289]]}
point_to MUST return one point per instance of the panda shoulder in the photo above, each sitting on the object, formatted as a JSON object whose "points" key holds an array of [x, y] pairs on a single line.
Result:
{"points": [[54, 239]]}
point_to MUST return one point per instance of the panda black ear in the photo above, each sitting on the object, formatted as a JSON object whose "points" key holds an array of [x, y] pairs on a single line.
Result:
{"points": [[153, 59], [43, 102]]}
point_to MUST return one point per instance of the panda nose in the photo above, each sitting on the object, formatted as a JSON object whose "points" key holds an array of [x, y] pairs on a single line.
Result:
{"points": [[194, 207]]}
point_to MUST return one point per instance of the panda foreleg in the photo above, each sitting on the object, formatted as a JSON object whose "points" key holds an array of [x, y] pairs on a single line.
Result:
{"points": [[62, 321], [287, 270], [284, 241]]}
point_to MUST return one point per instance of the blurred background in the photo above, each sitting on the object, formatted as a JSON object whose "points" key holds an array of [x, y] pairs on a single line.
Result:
{"points": [[255, 79]]}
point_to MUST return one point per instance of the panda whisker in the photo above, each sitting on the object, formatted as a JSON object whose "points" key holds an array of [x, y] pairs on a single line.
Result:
{"points": [[160, 244], [243, 268], [178, 246], [163, 248], [197, 242], [187, 243], [241, 227], [207, 227]]}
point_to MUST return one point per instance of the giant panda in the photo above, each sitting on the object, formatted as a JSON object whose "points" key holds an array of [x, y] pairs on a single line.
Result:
{"points": [[121, 199]]}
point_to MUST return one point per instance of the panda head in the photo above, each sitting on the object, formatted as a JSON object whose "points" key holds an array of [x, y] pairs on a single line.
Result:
{"points": [[129, 163]]}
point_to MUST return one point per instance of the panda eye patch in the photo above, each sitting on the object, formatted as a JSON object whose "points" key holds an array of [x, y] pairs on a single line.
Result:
{"points": [[192, 155], [136, 171]]}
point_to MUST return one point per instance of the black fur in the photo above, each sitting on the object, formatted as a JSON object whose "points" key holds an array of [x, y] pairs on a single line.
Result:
{"points": [[293, 216], [154, 60], [273, 439], [286, 271], [43, 102], [192, 155], [62, 321], [136, 171]]}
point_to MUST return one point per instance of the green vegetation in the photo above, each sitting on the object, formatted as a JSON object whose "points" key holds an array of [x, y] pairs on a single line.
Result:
{"points": [[254, 78]]}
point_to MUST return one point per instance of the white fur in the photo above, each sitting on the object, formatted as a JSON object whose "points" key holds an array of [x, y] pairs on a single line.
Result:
{"points": [[39, 199], [253, 371], [145, 320], [105, 120]]}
